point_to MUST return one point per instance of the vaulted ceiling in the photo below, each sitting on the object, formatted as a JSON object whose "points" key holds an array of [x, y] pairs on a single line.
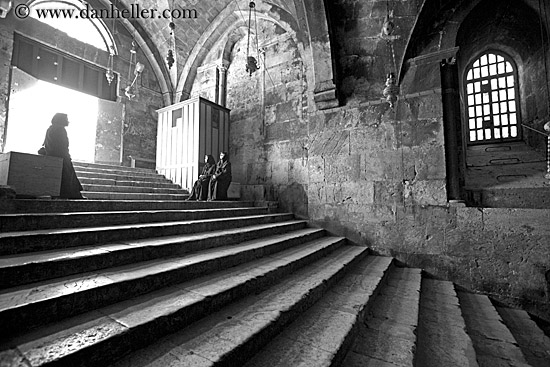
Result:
{"points": [[209, 36]]}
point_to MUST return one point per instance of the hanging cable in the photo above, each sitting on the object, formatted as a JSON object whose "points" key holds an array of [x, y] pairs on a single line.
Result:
{"points": [[172, 41], [248, 38], [391, 90], [240, 11], [251, 62], [257, 36]]}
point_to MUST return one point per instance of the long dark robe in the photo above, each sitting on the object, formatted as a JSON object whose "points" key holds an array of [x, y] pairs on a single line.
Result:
{"points": [[57, 145], [218, 186], [200, 187]]}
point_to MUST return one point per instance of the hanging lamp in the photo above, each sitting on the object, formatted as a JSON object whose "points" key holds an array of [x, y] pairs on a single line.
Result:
{"points": [[251, 62], [170, 57], [130, 90], [391, 89], [110, 74]]}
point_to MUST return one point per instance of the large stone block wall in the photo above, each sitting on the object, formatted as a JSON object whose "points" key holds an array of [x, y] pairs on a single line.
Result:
{"points": [[267, 111], [378, 178], [377, 175]]}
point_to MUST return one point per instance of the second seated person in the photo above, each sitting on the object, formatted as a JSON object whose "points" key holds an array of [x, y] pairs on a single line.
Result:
{"points": [[200, 187], [220, 179]]}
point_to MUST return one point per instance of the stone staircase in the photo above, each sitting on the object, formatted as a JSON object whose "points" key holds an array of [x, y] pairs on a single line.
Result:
{"points": [[106, 182], [175, 283]]}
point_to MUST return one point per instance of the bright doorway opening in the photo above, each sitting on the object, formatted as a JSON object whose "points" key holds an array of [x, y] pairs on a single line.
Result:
{"points": [[31, 110]]}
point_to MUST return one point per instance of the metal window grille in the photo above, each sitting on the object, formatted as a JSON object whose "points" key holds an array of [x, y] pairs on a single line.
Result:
{"points": [[492, 100]]}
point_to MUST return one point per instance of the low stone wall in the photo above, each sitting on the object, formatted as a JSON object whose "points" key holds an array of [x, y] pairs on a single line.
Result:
{"points": [[500, 252]]}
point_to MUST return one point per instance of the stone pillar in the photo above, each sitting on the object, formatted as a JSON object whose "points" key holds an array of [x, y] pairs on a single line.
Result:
{"points": [[222, 84]]}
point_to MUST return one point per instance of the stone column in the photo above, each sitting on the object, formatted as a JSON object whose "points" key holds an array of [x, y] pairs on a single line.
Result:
{"points": [[222, 84]]}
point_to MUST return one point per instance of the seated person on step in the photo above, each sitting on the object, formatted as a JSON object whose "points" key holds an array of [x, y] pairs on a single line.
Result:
{"points": [[56, 144], [220, 179], [200, 187]]}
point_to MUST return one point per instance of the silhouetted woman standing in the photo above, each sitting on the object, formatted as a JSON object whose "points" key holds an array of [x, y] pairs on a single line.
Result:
{"points": [[57, 145]]}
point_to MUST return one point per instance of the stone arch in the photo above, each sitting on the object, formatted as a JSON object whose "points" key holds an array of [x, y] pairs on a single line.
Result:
{"points": [[227, 20], [313, 45], [318, 45]]}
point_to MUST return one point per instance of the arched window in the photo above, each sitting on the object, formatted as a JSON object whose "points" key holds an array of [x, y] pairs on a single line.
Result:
{"points": [[492, 99], [64, 15]]}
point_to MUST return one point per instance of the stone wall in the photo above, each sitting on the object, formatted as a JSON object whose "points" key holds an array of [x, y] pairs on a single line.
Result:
{"points": [[377, 175], [267, 110]]}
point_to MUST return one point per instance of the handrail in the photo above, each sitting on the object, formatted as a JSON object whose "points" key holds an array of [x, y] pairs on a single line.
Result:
{"points": [[536, 130]]}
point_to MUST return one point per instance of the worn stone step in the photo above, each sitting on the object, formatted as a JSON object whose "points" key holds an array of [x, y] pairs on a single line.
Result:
{"points": [[442, 337], [117, 171], [36, 304], [532, 341], [111, 182], [323, 334], [49, 239], [100, 337], [232, 335], [69, 206], [132, 196], [110, 166], [35, 266], [388, 335], [122, 176], [132, 189], [36, 221], [494, 344]]}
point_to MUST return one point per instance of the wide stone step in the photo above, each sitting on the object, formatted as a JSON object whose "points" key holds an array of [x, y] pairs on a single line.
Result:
{"points": [[133, 189], [36, 304], [102, 336], [35, 266], [110, 167], [113, 171], [532, 341], [323, 334], [49, 239], [156, 184], [388, 335], [123, 176], [232, 335], [70, 206], [131, 196], [494, 344], [36, 221], [442, 337]]}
